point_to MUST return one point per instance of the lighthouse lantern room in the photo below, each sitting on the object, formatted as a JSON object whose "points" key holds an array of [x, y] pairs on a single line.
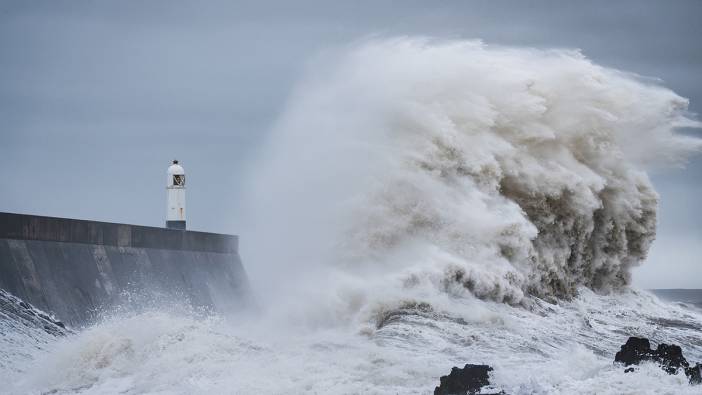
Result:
{"points": [[175, 187]]}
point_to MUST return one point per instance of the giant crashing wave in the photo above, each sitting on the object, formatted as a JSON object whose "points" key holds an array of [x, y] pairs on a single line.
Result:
{"points": [[406, 177], [458, 168]]}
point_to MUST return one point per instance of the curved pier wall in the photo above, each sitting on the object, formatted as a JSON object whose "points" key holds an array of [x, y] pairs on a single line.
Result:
{"points": [[75, 268]]}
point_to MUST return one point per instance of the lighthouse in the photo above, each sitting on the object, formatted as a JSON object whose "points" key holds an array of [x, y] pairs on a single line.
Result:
{"points": [[175, 187]]}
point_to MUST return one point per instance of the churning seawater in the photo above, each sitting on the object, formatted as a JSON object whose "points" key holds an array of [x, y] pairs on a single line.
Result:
{"points": [[548, 348], [419, 205]]}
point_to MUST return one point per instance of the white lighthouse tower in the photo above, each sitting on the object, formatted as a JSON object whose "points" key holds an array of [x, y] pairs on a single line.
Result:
{"points": [[175, 187]]}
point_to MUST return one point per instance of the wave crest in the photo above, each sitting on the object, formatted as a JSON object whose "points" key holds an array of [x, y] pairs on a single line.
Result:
{"points": [[503, 171]]}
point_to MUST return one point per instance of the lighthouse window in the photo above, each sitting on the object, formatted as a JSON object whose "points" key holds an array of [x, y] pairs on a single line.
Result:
{"points": [[179, 180]]}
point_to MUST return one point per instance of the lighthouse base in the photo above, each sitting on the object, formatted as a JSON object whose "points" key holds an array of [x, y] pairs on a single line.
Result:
{"points": [[180, 225]]}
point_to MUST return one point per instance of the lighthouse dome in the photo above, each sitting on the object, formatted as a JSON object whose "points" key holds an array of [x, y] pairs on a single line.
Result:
{"points": [[175, 168]]}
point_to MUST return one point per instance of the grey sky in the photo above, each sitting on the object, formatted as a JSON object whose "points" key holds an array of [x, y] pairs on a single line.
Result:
{"points": [[96, 97]]}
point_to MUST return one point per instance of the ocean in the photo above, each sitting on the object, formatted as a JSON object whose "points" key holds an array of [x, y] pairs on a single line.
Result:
{"points": [[422, 204], [548, 348], [689, 297]]}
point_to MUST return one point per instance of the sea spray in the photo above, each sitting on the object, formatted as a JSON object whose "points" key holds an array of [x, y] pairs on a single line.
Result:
{"points": [[551, 348], [409, 189], [410, 169]]}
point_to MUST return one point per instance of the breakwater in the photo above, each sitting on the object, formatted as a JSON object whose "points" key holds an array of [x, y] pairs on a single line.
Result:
{"points": [[76, 268]]}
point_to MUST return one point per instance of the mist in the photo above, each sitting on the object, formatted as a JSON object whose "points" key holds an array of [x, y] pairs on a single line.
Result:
{"points": [[408, 169], [415, 186], [106, 95]]}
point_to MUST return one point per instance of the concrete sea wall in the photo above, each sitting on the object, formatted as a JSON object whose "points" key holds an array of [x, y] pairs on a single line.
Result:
{"points": [[75, 269]]}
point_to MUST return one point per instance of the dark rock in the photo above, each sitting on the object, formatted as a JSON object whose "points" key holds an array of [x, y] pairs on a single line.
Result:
{"points": [[468, 380], [634, 351], [694, 373], [668, 356]]}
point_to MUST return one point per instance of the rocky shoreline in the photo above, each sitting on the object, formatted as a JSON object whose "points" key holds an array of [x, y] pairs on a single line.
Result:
{"points": [[668, 356], [475, 379]]}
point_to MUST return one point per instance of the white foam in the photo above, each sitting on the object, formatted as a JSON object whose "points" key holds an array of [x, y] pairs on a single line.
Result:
{"points": [[415, 169], [409, 190], [566, 347]]}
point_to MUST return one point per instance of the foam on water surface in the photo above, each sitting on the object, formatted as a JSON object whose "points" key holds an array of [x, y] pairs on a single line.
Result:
{"points": [[425, 204], [567, 347]]}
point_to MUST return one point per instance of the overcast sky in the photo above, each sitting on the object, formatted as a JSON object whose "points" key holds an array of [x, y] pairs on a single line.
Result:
{"points": [[97, 97]]}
